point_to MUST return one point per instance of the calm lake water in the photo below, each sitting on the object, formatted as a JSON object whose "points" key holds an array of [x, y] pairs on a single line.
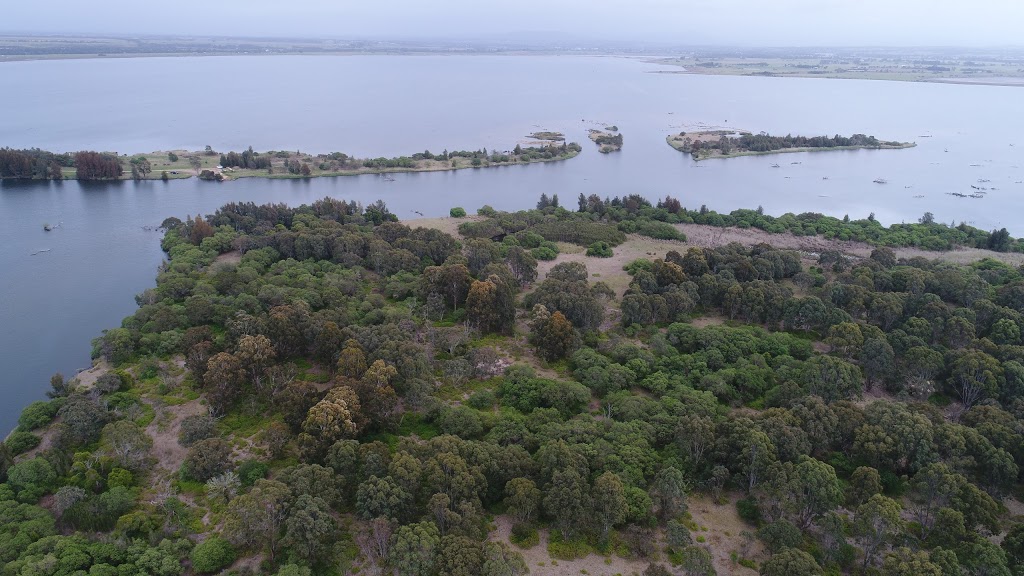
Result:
{"points": [[53, 303]]}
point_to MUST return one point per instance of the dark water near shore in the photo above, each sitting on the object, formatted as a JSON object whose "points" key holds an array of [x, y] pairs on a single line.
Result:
{"points": [[53, 303]]}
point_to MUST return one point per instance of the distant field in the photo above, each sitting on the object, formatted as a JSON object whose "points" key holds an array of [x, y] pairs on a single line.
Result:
{"points": [[966, 71]]}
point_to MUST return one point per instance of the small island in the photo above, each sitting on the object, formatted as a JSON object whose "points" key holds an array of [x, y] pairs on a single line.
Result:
{"points": [[608, 140], [547, 135], [730, 143], [208, 164]]}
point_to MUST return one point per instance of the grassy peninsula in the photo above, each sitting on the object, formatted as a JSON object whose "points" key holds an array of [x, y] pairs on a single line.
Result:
{"points": [[731, 144], [35, 164]]}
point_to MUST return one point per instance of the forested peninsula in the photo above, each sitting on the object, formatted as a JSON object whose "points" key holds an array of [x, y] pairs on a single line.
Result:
{"points": [[35, 164], [567, 389], [731, 144]]}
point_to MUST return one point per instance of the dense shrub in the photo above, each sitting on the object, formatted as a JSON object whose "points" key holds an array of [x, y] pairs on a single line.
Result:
{"points": [[195, 428], [206, 459], [600, 250], [20, 442], [37, 414], [748, 510], [250, 471], [212, 555]]}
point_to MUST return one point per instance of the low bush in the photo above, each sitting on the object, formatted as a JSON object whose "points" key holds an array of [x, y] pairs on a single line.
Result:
{"points": [[524, 535], [20, 442], [212, 555], [600, 250]]}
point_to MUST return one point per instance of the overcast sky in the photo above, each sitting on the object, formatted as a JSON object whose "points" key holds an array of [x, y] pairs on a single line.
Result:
{"points": [[720, 22]]}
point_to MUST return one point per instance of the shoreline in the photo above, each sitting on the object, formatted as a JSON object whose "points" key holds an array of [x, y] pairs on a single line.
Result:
{"points": [[977, 81]]}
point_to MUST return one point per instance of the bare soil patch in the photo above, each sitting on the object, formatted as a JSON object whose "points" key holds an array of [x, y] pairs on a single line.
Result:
{"points": [[164, 431], [233, 257], [86, 379], [1013, 506], [724, 531], [705, 321]]}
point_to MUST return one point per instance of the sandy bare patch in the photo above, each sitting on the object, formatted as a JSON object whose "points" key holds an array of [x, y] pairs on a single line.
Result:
{"points": [[233, 257], [86, 379], [1013, 506]]}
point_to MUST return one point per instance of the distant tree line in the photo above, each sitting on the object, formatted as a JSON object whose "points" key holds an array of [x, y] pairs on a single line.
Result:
{"points": [[32, 164], [479, 157], [40, 164]]}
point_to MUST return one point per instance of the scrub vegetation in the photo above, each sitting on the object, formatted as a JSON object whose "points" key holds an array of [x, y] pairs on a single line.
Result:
{"points": [[325, 390]]}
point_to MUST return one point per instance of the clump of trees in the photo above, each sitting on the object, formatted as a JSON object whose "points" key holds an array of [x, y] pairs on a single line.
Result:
{"points": [[551, 222], [97, 166], [247, 159], [33, 164]]}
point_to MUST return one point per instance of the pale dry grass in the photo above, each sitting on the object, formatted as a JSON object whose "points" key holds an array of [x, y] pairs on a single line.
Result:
{"points": [[723, 531], [710, 237], [445, 224], [541, 564]]}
